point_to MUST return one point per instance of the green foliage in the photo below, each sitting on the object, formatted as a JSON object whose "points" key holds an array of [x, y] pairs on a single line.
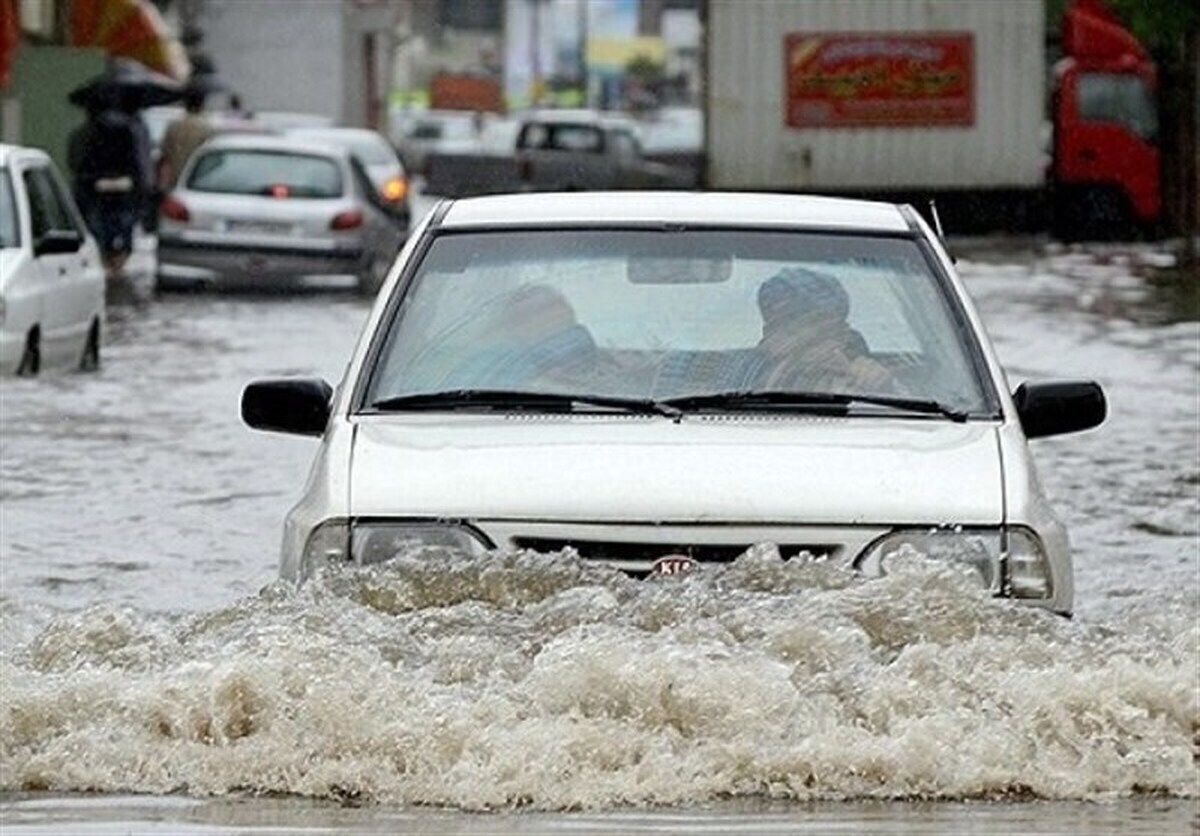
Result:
{"points": [[645, 69], [1159, 24]]}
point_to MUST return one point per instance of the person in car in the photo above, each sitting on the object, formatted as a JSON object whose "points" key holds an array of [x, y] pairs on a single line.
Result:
{"points": [[550, 346], [807, 342], [532, 341]]}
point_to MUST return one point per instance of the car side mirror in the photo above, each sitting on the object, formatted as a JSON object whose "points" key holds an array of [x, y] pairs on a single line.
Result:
{"points": [[1058, 408], [299, 406], [57, 242]]}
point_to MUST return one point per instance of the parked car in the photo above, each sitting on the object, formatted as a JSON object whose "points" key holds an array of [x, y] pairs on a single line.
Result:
{"points": [[556, 150], [51, 279], [425, 132], [271, 210], [680, 375], [379, 159]]}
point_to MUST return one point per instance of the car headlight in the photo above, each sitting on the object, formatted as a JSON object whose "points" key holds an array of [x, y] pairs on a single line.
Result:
{"points": [[364, 543], [1007, 561]]}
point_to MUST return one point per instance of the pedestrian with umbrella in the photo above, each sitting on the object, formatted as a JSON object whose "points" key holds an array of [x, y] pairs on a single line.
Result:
{"points": [[109, 155]]}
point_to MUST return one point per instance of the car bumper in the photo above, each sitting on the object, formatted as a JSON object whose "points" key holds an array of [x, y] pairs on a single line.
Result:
{"points": [[188, 259]]}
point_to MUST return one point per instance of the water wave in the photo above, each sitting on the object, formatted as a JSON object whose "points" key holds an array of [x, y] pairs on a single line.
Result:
{"points": [[540, 680]]}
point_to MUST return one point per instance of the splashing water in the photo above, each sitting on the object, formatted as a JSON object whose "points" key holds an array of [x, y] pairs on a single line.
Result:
{"points": [[537, 680]]}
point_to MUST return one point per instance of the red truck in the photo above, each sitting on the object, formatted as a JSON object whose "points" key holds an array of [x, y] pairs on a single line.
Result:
{"points": [[1106, 162], [910, 100]]}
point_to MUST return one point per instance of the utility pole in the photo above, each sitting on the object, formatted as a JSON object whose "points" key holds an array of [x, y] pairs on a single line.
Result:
{"points": [[583, 44]]}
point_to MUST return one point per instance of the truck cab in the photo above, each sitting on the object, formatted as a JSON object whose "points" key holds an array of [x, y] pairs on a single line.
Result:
{"points": [[1106, 156]]}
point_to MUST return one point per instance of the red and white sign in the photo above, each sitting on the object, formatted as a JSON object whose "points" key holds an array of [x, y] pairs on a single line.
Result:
{"points": [[859, 79]]}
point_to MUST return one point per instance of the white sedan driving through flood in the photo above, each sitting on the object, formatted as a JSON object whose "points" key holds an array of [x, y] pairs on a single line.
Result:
{"points": [[679, 376]]}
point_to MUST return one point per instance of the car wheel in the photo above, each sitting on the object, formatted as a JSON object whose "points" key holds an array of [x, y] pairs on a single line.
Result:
{"points": [[371, 279], [90, 361], [31, 359]]}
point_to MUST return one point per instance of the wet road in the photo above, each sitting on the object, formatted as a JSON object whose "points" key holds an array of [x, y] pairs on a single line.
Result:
{"points": [[137, 515]]}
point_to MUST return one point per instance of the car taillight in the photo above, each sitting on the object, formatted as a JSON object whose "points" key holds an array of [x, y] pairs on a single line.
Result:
{"points": [[173, 209], [395, 189], [350, 219]]}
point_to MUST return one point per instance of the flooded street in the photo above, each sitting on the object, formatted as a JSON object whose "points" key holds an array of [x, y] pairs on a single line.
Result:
{"points": [[139, 521]]}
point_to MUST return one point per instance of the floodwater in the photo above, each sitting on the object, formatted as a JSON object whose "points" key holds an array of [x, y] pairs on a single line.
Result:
{"points": [[153, 679]]}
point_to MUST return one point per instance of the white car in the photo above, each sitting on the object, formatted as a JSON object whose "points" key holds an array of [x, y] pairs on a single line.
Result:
{"points": [[674, 375], [51, 278], [271, 210]]}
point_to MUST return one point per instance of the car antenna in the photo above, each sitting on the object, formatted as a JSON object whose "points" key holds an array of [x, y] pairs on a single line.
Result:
{"points": [[941, 233]]}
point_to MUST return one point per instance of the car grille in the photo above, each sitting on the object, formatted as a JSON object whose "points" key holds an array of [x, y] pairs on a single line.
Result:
{"points": [[637, 558]]}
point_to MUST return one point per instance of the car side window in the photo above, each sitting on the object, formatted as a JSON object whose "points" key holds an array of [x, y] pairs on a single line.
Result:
{"points": [[46, 209], [625, 145], [39, 212], [363, 182], [67, 217]]}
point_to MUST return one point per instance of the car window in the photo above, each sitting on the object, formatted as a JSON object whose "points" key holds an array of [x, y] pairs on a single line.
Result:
{"points": [[652, 314], [366, 189], [1121, 98], [624, 144], [67, 213], [10, 229], [46, 211], [538, 136], [268, 173]]}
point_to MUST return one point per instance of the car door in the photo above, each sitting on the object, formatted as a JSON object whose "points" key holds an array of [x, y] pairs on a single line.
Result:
{"points": [[59, 325], [84, 280]]}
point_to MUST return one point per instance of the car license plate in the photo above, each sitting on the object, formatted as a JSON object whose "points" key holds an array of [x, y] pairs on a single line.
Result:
{"points": [[672, 564], [258, 227]]}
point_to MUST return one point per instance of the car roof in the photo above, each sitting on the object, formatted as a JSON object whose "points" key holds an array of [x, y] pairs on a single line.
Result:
{"points": [[275, 142], [8, 153], [578, 116], [734, 209], [335, 132]]}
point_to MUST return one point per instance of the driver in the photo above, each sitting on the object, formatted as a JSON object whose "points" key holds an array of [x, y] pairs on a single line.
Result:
{"points": [[807, 344]]}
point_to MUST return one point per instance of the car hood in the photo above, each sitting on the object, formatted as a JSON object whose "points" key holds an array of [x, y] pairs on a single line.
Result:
{"points": [[779, 469]]}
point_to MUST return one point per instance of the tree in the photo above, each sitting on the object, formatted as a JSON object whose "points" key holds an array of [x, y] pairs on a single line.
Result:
{"points": [[1170, 30]]}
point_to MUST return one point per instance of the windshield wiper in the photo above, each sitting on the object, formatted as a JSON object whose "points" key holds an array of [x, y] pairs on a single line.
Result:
{"points": [[779, 399], [505, 399]]}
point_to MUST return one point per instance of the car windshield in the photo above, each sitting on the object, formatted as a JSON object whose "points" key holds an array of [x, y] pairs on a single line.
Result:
{"points": [[9, 231], [272, 173], [677, 314]]}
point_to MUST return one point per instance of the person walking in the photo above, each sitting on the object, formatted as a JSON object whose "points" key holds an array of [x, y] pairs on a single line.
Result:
{"points": [[111, 176], [183, 137]]}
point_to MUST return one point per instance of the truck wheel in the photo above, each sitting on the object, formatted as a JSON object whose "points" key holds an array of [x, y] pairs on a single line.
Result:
{"points": [[90, 361], [1093, 213], [31, 359]]}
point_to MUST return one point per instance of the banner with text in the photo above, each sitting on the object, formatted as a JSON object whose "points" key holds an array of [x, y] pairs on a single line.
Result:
{"points": [[842, 80]]}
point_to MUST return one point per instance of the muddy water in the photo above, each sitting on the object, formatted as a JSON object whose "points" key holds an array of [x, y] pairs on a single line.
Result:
{"points": [[139, 522]]}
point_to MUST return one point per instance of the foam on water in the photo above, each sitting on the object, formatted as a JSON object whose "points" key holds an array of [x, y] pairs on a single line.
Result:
{"points": [[540, 680]]}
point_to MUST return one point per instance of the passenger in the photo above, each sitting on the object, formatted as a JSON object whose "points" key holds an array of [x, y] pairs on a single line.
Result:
{"points": [[807, 342], [546, 343]]}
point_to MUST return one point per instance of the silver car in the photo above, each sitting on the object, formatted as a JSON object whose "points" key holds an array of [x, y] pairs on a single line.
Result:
{"points": [[665, 381], [270, 210], [379, 159]]}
